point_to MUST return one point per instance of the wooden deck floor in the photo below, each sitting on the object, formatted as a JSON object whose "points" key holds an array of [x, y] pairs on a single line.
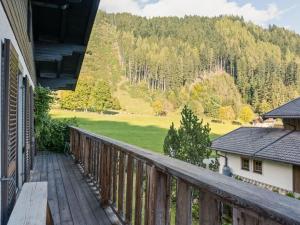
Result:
{"points": [[71, 198]]}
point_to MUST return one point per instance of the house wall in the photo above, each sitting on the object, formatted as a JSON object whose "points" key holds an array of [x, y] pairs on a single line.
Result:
{"points": [[17, 12], [273, 173], [6, 32], [291, 124]]}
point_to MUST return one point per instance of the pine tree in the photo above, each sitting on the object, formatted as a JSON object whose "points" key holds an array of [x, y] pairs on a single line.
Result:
{"points": [[191, 142]]}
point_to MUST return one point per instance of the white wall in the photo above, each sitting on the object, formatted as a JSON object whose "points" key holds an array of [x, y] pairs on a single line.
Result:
{"points": [[7, 32], [273, 173]]}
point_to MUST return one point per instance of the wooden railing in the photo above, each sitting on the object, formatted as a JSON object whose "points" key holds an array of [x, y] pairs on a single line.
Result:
{"points": [[147, 188]]}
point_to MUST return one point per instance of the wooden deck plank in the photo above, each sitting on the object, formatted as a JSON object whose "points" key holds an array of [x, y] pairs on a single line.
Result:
{"points": [[44, 171], [71, 200], [77, 210], [36, 173], [64, 211], [85, 191], [52, 195]]}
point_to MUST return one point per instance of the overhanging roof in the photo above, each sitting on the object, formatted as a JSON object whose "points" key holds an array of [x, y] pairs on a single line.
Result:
{"points": [[288, 110], [61, 31], [274, 144]]}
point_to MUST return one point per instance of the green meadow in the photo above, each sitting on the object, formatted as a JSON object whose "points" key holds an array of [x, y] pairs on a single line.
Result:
{"points": [[145, 131]]}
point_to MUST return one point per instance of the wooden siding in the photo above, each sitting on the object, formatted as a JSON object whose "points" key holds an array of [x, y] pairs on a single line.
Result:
{"points": [[9, 127], [291, 124], [17, 13]]}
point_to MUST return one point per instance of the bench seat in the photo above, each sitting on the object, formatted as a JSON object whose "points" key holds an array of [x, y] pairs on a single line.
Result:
{"points": [[32, 205]]}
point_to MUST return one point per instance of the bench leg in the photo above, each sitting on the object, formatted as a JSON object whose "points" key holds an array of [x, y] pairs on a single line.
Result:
{"points": [[49, 216]]}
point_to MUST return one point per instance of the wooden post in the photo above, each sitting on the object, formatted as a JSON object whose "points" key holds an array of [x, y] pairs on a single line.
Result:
{"points": [[129, 190], [158, 205], [139, 193], [121, 184], [86, 155], [146, 210], [115, 178], [106, 176], [209, 209], [183, 203]]}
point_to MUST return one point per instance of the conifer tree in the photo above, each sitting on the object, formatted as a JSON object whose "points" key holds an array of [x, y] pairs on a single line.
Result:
{"points": [[191, 142]]}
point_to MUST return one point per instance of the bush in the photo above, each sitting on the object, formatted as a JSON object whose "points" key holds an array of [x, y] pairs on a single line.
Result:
{"points": [[216, 121], [226, 113], [196, 107], [50, 134], [235, 122], [158, 108], [246, 114], [290, 194]]}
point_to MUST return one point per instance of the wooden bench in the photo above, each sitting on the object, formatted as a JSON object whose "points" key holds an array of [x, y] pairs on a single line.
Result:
{"points": [[32, 206]]}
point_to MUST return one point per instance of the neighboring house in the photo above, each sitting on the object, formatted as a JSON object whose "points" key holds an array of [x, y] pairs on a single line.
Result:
{"points": [[41, 42], [268, 157]]}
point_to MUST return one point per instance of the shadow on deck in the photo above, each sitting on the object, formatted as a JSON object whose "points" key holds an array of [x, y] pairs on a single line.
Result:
{"points": [[72, 199]]}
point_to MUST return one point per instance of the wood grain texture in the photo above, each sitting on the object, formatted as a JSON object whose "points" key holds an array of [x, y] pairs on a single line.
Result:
{"points": [[183, 203], [16, 12], [31, 207], [121, 184], [210, 213], [71, 199], [262, 202], [139, 194], [129, 190]]}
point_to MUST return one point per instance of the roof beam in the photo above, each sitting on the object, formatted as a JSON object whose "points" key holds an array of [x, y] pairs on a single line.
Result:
{"points": [[50, 5], [56, 52]]}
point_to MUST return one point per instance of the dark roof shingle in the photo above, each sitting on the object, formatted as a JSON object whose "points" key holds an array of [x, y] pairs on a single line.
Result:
{"points": [[267, 143], [287, 149], [288, 110]]}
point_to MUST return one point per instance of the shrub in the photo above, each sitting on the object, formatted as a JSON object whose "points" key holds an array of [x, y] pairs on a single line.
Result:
{"points": [[226, 113], [50, 134], [290, 194], [211, 106], [196, 107], [158, 108], [235, 122], [246, 114], [216, 121]]}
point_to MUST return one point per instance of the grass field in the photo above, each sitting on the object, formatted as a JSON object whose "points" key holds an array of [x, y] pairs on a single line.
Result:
{"points": [[141, 130]]}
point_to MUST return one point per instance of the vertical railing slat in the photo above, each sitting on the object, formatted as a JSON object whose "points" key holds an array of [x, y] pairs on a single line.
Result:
{"points": [[138, 193], [158, 204], [121, 183], [129, 189], [184, 201], [210, 213], [115, 176]]}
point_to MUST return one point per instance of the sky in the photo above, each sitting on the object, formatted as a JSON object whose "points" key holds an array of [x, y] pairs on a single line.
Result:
{"points": [[284, 13]]}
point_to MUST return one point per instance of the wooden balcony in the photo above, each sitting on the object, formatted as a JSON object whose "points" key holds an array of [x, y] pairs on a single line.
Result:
{"points": [[115, 183], [71, 196]]}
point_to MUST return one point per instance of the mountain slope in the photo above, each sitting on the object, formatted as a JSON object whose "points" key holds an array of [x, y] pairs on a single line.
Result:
{"points": [[208, 63]]}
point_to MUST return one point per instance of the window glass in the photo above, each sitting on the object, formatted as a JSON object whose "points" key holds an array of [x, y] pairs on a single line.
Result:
{"points": [[257, 166], [245, 164]]}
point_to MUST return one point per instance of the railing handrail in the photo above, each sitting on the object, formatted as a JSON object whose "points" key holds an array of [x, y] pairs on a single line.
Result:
{"points": [[271, 205]]}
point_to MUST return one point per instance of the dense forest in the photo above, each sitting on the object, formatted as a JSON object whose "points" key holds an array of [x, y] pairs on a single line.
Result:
{"points": [[217, 65]]}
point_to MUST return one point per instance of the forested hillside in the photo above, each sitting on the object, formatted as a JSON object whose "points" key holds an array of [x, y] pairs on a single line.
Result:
{"points": [[216, 65]]}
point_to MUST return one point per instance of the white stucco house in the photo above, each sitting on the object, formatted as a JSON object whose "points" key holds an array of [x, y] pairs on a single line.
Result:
{"points": [[268, 157]]}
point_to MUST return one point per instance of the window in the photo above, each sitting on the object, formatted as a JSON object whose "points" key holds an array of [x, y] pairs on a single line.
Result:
{"points": [[245, 164], [257, 166]]}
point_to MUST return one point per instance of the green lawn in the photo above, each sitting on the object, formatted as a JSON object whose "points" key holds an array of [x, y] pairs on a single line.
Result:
{"points": [[141, 130]]}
